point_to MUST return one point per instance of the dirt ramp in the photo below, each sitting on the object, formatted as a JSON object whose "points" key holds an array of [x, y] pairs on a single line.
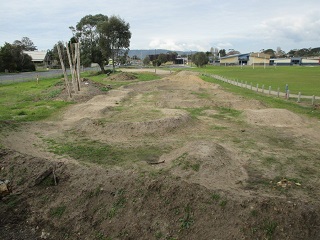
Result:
{"points": [[174, 119], [95, 107], [273, 117], [207, 163]]}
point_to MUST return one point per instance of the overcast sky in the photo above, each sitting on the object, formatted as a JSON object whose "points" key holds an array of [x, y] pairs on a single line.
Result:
{"points": [[243, 25]]}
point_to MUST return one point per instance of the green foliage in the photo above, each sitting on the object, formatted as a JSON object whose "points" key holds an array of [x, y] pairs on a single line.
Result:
{"points": [[146, 61], [88, 33], [13, 59], [200, 59]]}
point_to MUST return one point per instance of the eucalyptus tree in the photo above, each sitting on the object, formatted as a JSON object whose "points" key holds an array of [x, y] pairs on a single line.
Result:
{"points": [[87, 32], [115, 37]]}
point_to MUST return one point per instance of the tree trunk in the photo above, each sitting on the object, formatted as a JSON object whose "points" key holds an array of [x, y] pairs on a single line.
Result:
{"points": [[101, 65]]}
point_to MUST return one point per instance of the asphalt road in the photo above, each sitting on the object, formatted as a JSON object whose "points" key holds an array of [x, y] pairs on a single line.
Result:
{"points": [[27, 76]]}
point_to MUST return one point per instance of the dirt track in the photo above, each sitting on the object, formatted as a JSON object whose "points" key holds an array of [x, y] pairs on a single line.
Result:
{"points": [[215, 172]]}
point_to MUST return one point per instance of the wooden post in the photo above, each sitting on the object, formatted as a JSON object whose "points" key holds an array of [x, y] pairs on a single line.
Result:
{"points": [[299, 96], [64, 71], [288, 94], [313, 100], [78, 65], [257, 87], [71, 68], [262, 89], [269, 90], [251, 85], [278, 93]]}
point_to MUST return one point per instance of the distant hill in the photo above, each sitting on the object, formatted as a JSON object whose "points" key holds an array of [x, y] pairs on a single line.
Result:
{"points": [[143, 52]]}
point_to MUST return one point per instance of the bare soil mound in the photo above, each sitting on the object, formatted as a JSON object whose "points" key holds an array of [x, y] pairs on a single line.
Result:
{"points": [[173, 120], [122, 76], [207, 163], [96, 203]]}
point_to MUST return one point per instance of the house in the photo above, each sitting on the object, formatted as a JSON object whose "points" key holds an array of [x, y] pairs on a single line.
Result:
{"points": [[245, 59], [39, 57]]}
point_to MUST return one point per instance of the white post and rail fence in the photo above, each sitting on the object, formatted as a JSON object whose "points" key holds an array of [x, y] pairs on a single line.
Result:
{"points": [[266, 90]]}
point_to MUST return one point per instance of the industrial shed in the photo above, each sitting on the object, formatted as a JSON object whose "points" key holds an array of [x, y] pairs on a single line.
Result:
{"points": [[245, 59], [294, 61]]}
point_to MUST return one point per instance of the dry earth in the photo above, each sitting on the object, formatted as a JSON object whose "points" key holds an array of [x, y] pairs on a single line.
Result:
{"points": [[196, 163]]}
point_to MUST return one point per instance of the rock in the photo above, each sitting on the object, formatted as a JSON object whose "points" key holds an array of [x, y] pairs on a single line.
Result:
{"points": [[4, 188]]}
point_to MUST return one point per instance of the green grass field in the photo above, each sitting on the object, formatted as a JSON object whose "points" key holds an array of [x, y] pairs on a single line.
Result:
{"points": [[29, 101], [299, 79]]}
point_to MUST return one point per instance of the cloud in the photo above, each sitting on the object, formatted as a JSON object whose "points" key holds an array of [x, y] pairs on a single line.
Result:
{"points": [[296, 28]]}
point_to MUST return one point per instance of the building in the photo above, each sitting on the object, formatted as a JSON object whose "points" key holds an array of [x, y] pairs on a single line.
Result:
{"points": [[245, 59], [295, 61], [39, 57]]}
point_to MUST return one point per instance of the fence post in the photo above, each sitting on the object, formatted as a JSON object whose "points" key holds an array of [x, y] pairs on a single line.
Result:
{"points": [[262, 89], [299, 96], [288, 94], [313, 99], [251, 85], [278, 93], [269, 90], [257, 87]]}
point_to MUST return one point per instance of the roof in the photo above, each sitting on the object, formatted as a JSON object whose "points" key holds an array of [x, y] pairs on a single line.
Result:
{"points": [[37, 56], [235, 55]]}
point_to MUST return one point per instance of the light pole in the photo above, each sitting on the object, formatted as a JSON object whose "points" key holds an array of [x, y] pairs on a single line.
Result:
{"points": [[155, 61]]}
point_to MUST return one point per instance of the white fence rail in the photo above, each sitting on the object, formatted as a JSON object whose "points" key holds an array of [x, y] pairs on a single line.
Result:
{"points": [[265, 90]]}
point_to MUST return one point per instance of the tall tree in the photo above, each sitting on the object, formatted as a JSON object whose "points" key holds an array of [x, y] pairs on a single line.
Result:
{"points": [[13, 59], [200, 59], [116, 37], [26, 44], [222, 52], [146, 61], [87, 33], [270, 52]]}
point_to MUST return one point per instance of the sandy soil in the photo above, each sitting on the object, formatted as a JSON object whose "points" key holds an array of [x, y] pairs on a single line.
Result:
{"points": [[228, 168]]}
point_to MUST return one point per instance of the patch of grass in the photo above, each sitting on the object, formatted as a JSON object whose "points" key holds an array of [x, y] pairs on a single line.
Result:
{"points": [[58, 211], [28, 101], [196, 112], [300, 79], [216, 127], [215, 197], [12, 201], [223, 203], [186, 164], [269, 160], [254, 213], [118, 204], [187, 220], [104, 154], [203, 95], [269, 227], [269, 101]]}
